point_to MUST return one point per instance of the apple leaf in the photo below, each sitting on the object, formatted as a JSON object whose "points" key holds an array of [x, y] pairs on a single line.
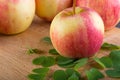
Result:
{"points": [[70, 71], [108, 46], [73, 77], [39, 60], [45, 61], [47, 40], [49, 61], [36, 77], [99, 62], [80, 63], [94, 74], [53, 52], [41, 70], [33, 50], [106, 61], [65, 62], [39, 74], [113, 73], [68, 74], [60, 74], [115, 57], [69, 65]]}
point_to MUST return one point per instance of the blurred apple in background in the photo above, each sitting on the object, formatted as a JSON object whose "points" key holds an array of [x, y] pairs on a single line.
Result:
{"points": [[77, 35], [109, 10], [16, 15], [47, 9]]}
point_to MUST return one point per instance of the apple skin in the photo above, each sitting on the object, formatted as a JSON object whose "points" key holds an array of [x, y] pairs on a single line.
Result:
{"points": [[48, 9], [79, 35], [109, 10], [16, 15]]}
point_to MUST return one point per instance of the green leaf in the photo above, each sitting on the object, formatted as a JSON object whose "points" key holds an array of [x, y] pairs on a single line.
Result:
{"points": [[108, 46], [48, 61], [115, 57], [65, 62], [41, 70], [113, 73], [53, 52], [60, 75], [45, 61], [73, 77], [107, 62], [39, 74], [70, 71], [99, 62], [80, 63], [69, 65], [39, 60], [94, 74], [80, 60], [32, 51], [47, 40], [36, 77]]}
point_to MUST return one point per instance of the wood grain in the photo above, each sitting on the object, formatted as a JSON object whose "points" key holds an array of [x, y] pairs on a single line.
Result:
{"points": [[15, 64]]}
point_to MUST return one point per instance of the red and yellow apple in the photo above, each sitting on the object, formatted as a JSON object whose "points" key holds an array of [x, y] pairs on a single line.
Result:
{"points": [[109, 10], [16, 15], [47, 9], [77, 35]]}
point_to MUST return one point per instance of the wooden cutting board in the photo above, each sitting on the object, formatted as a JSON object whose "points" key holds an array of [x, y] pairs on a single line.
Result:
{"points": [[15, 64]]}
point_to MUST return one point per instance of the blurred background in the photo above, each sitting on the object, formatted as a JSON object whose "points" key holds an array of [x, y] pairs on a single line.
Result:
{"points": [[118, 25]]}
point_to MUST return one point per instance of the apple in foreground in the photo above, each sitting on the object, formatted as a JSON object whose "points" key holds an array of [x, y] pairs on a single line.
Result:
{"points": [[77, 35], [48, 9], [109, 10], [16, 15]]}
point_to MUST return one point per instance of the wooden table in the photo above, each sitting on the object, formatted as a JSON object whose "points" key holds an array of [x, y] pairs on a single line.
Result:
{"points": [[15, 64]]}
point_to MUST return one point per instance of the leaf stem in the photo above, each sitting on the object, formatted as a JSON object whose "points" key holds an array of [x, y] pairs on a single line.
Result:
{"points": [[74, 5]]}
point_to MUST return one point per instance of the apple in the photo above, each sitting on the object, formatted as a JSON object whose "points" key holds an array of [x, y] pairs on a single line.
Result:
{"points": [[77, 35], [48, 9], [16, 15], [109, 10]]}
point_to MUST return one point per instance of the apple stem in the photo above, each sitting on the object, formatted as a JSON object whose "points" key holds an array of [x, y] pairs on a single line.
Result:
{"points": [[74, 5]]}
